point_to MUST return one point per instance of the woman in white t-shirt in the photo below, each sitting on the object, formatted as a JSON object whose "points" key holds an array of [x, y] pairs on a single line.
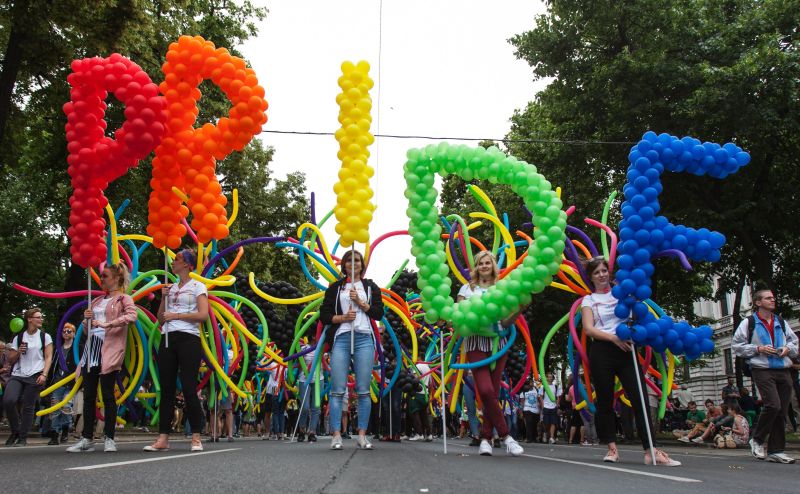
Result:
{"points": [[28, 359], [184, 307], [487, 382], [608, 357]]}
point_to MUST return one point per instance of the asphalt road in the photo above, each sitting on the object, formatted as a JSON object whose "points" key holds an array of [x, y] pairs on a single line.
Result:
{"points": [[407, 467]]}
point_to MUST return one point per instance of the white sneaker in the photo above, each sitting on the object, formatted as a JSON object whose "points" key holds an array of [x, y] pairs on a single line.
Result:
{"points": [[363, 442], [512, 446], [780, 458], [684, 439], [109, 446], [336, 443], [698, 440], [552, 441], [485, 448], [428, 438], [757, 449], [416, 437], [82, 446]]}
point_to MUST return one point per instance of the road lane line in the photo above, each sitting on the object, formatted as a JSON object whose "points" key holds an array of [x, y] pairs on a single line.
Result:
{"points": [[147, 460], [616, 469], [607, 467]]}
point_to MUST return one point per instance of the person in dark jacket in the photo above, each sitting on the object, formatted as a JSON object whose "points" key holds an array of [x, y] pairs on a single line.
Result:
{"points": [[61, 419], [349, 307]]}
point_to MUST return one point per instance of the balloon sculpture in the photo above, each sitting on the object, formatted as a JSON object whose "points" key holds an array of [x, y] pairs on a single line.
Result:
{"points": [[94, 159], [245, 336], [353, 209]]}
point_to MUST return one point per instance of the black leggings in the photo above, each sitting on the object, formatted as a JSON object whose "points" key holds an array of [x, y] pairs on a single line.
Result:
{"points": [[182, 357], [608, 360], [90, 379], [531, 426]]}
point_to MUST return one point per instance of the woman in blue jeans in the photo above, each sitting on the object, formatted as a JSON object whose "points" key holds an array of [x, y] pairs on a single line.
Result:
{"points": [[348, 307]]}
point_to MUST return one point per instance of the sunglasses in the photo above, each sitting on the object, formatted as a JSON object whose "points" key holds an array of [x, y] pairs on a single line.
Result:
{"points": [[68, 331]]}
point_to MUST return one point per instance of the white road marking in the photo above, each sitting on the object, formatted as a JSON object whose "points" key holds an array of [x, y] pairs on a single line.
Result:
{"points": [[616, 469], [607, 467], [147, 460]]}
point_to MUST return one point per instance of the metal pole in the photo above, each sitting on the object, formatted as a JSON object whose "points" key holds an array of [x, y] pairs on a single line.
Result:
{"points": [[444, 404], [302, 406], [644, 405], [166, 281], [352, 287]]}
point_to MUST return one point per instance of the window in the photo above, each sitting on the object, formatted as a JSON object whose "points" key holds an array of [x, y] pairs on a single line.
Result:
{"points": [[728, 362], [724, 306]]}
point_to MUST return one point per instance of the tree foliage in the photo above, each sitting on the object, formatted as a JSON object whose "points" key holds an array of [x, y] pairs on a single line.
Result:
{"points": [[38, 40], [718, 70]]}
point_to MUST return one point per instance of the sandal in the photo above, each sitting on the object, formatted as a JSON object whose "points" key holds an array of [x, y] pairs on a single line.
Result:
{"points": [[662, 458]]}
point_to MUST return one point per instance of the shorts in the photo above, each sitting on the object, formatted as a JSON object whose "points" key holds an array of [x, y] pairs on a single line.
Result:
{"points": [[550, 416]]}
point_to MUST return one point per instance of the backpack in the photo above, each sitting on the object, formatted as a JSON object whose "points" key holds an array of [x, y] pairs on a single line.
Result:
{"points": [[751, 326]]}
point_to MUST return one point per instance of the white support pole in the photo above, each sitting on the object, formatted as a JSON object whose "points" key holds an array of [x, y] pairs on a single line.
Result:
{"points": [[444, 401], [644, 405]]}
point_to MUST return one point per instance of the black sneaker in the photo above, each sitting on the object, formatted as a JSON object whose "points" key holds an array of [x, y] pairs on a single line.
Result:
{"points": [[346, 436], [65, 436], [475, 442], [53, 438], [12, 439], [21, 442], [312, 438], [301, 436]]}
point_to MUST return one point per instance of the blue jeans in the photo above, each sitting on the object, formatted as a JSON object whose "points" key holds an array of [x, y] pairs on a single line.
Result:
{"points": [[362, 359], [59, 419], [469, 400], [307, 401]]}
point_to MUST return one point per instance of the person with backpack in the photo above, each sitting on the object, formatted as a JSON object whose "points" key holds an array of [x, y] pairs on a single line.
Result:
{"points": [[29, 354], [767, 343]]}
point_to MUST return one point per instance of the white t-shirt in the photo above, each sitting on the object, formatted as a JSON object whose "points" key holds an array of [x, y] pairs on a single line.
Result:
{"points": [[99, 315], [547, 402], [183, 300], [425, 373], [531, 400], [309, 360], [603, 305], [482, 343], [33, 361], [362, 319]]}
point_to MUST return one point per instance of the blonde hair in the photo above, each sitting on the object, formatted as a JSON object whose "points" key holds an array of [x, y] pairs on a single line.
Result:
{"points": [[474, 278], [121, 272]]}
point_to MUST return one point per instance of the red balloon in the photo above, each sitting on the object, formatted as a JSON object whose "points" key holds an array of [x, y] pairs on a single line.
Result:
{"points": [[95, 159]]}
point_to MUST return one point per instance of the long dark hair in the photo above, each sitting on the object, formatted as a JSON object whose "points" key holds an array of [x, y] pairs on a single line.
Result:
{"points": [[346, 260]]}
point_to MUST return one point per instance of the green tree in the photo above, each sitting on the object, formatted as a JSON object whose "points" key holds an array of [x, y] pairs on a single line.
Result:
{"points": [[718, 70], [38, 40]]}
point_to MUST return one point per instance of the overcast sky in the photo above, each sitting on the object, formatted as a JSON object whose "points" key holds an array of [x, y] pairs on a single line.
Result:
{"points": [[446, 70]]}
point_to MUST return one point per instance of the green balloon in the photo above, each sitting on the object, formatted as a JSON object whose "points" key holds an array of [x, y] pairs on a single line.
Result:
{"points": [[16, 325]]}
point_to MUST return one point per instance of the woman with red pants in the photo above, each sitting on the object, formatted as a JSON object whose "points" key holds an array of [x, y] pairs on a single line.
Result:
{"points": [[487, 381]]}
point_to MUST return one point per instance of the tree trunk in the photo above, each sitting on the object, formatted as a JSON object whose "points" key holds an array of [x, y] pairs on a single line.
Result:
{"points": [[12, 61]]}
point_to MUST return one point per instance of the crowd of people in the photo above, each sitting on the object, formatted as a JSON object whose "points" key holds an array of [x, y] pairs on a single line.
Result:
{"points": [[488, 414]]}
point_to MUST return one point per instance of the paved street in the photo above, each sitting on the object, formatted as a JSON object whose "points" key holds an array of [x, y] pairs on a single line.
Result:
{"points": [[407, 467]]}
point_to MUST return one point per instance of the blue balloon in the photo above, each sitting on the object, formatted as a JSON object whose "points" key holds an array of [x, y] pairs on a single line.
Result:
{"points": [[706, 346], [623, 332]]}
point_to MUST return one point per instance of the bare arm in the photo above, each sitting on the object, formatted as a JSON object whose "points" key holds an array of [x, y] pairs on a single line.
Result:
{"points": [[587, 320]]}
